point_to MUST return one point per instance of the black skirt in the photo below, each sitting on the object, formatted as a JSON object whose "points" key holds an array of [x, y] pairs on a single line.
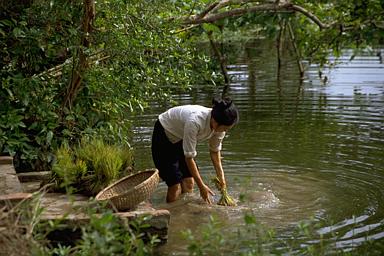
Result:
{"points": [[168, 157]]}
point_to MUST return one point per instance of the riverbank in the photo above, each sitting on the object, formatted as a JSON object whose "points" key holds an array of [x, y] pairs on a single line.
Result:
{"points": [[70, 210]]}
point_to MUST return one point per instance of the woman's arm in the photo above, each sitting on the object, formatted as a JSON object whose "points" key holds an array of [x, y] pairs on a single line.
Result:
{"points": [[216, 160], [205, 191]]}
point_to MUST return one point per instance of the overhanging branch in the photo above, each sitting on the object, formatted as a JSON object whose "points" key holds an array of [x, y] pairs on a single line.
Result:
{"points": [[311, 16], [210, 18], [215, 12]]}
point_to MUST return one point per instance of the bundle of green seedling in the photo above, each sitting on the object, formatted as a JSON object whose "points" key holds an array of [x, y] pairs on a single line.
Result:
{"points": [[225, 199]]}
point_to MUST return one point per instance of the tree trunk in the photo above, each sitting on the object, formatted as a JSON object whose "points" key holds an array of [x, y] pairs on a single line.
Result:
{"points": [[223, 65], [75, 84]]}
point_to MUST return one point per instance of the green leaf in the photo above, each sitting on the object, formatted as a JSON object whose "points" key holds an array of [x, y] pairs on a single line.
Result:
{"points": [[6, 22], [49, 137], [18, 32], [211, 28], [249, 219]]}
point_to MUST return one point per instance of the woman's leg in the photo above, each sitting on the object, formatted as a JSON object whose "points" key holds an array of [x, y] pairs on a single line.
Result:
{"points": [[187, 185], [187, 181], [173, 193], [176, 190]]}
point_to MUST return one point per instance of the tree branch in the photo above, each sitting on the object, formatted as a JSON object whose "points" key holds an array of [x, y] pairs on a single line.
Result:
{"points": [[207, 10], [296, 49], [222, 60], [311, 16], [211, 13], [58, 70], [210, 18]]}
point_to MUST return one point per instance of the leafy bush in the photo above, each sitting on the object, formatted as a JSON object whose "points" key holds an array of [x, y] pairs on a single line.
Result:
{"points": [[108, 235], [133, 59], [105, 234], [90, 166]]}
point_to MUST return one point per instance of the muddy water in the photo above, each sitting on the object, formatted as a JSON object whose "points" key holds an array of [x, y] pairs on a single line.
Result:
{"points": [[311, 150]]}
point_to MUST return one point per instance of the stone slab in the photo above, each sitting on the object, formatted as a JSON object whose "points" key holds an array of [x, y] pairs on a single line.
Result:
{"points": [[71, 210], [6, 160], [15, 197], [33, 176], [9, 182], [31, 186], [11, 200]]}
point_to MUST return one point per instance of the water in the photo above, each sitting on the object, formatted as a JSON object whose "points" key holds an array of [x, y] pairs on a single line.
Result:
{"points": [[302, 151]]}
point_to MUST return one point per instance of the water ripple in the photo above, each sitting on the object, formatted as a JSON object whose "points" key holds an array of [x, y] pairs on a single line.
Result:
{"points": [[301, 150]]}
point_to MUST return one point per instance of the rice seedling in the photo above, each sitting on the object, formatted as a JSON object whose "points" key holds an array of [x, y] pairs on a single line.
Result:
{"points": [[225, 199], [90, 166], [67, 170]]}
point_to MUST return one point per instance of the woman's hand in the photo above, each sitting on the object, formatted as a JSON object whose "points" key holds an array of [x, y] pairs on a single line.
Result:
{"points": [[206, 193], [216, 160]]}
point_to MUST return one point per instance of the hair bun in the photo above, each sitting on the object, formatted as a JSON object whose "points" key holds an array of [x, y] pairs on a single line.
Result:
{"points": [[224, 111], [227, 102], [215, 101], [222, 103]]}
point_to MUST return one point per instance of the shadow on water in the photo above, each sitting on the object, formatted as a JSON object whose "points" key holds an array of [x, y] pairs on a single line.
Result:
{"points": [[302, 150]]}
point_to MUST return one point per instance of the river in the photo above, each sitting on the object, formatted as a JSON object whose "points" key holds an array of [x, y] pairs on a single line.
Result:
{"points": [[303, 151]]}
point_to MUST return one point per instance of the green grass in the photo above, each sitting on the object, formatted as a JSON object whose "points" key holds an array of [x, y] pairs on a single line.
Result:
{"points": [[90, 166]]}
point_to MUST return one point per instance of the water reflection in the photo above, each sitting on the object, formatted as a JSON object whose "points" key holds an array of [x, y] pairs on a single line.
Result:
{"points": [[302, 150]]}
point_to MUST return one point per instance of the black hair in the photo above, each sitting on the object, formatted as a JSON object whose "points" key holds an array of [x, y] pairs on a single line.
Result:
{"points": [[225, 112]]}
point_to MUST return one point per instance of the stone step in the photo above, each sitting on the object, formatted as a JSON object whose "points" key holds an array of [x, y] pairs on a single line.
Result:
{"points": [[11, 200], [9, 182], [70, 209], [6, 160], [33, 176]]}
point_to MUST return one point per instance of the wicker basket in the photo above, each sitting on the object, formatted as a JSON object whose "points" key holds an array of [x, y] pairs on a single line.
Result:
{"points": [[129, 191]]}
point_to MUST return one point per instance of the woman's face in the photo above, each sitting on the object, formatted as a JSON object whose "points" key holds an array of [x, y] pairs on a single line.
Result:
{"points": [[223, 128], [219, 127]]}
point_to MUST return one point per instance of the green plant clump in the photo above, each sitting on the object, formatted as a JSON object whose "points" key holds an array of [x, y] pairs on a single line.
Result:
{"points": [[226, 199], [90, 167]]}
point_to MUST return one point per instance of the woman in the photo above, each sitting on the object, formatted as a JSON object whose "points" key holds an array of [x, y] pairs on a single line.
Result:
{"points": [[174, 141]]}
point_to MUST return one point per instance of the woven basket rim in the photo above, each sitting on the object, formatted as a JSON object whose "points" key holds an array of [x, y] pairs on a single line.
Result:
{"points": [[154, 172]]}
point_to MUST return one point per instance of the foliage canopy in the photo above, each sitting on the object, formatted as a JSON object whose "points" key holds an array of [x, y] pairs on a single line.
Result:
{"points": [[71, 68], [132, 58]]}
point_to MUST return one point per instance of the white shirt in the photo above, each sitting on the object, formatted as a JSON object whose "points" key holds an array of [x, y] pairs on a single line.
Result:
{"points": [[190, 123]]}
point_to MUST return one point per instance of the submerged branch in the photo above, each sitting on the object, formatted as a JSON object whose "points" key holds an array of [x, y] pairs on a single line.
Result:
{"points": [[296, 49], [222, 60]]}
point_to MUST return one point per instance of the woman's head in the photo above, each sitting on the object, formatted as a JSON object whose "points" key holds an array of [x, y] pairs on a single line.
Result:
{"points": [[224, 112]]}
